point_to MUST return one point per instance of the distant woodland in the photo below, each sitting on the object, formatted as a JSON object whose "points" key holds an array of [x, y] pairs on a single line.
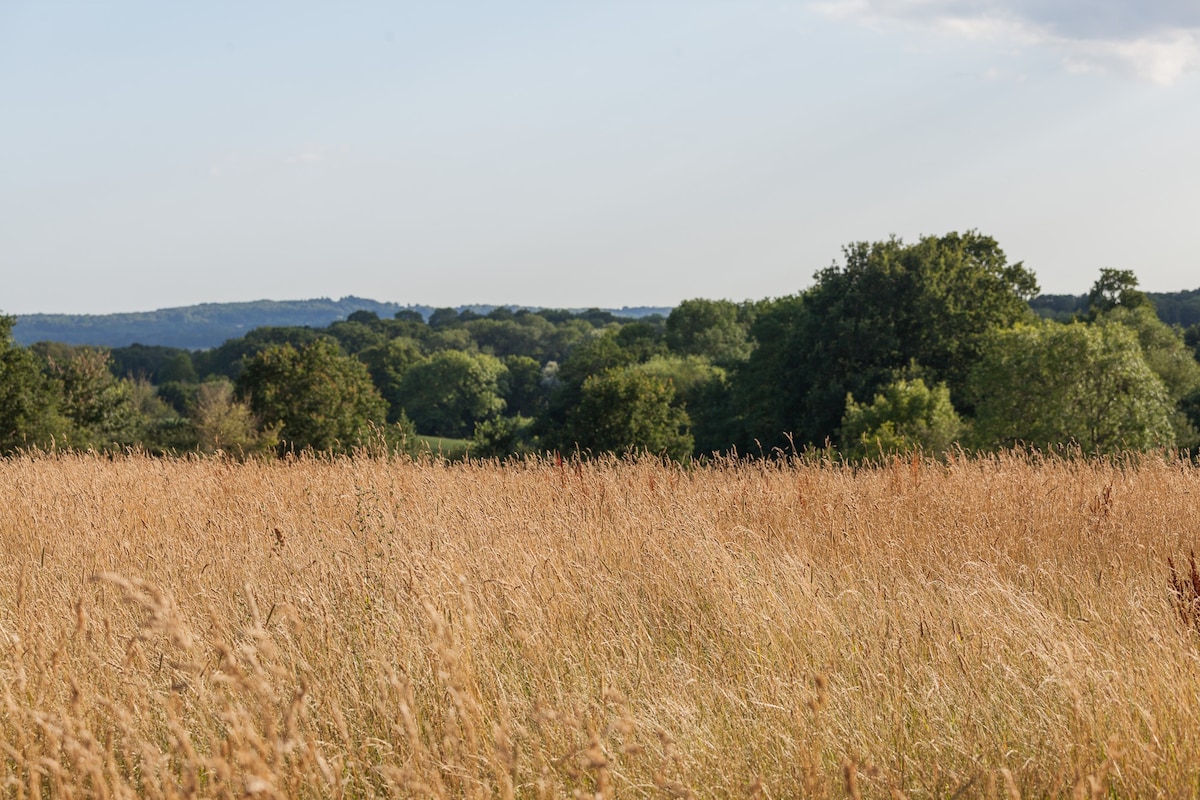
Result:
{"points": [[937, 345], [208, 325]]}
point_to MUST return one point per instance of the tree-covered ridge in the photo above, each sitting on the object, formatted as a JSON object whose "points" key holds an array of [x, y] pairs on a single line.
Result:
{"points": [[1174, 308], [209, 324], [930, 344], [191, 327]]}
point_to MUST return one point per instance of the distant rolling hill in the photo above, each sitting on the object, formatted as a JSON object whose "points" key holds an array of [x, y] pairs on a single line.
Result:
{"points": [[209, 324], [1174, 308]]}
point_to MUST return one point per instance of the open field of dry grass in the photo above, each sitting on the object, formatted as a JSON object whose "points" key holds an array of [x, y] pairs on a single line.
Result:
{"points": [[360, 628]]}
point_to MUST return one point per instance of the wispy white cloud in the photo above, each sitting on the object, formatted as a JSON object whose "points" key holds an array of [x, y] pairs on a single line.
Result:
{"points": [[1157, 40], [309, 155]]}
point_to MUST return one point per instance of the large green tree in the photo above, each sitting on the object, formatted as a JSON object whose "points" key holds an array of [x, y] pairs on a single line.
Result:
{"points": [[591, 357], [891, 306], [1048, 384], [524, 387], [449, 392], [316, 396], [702, 390]]}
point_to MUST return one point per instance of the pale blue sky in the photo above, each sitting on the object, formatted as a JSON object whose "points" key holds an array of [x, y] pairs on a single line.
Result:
{"points": [[579, 154]]}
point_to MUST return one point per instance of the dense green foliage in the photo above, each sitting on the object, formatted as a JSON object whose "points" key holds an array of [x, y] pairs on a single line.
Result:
{"points": [[904, 416], [446, 394], [624, 409], [928, 345], [317, 397], [1045, 383], [28, 402]]}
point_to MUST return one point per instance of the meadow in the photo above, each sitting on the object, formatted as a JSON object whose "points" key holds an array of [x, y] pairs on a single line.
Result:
{"points": [[362, 627]]}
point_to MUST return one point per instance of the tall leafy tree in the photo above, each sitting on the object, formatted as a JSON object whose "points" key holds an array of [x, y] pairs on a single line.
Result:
{"points": [[594, 356], [891, 306], [702, 390], [524, 386], [1116, 288], [28, 399], [388, 364], [316, 396], [229, 359], [1168, 355]]}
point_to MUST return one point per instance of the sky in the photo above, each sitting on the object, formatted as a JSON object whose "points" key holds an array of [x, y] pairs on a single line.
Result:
{"points": [[575, 154]]}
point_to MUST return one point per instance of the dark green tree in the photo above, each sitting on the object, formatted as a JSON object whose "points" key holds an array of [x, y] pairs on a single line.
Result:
{"points": [[177, 367], [561, 342], [641, 340], [593, 356], [702, 390], [28, 399], [408, 315], [1116, 288], [444, 318], [524, 387], [317, 397], [715, 329], [155, 363], [387, 364], [500, 437], [627, 410], [1191, 337], [228, 359], [892, 305], [356, 335]]}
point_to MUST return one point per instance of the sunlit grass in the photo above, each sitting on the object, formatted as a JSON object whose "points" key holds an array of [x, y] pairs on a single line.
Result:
{"points": [[358, 627]]}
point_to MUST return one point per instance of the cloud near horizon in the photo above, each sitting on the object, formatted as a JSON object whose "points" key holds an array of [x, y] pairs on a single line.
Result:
{"points": [[1156, 40]]}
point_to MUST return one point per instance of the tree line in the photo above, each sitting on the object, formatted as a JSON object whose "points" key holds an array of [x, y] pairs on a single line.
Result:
{"points": [[929, 345]]}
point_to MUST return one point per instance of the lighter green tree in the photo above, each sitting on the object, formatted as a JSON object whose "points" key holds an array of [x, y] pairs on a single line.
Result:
{"points": [[906, 415], [448, 393], [1048, 384], [225, 425], [1168, 355]]}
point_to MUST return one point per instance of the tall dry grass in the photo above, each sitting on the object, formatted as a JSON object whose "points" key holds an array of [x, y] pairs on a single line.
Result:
{"points": [[354, 628]]}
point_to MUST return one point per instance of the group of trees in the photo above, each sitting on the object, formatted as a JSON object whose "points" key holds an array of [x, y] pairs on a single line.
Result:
{"points": [[930, 345]]}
